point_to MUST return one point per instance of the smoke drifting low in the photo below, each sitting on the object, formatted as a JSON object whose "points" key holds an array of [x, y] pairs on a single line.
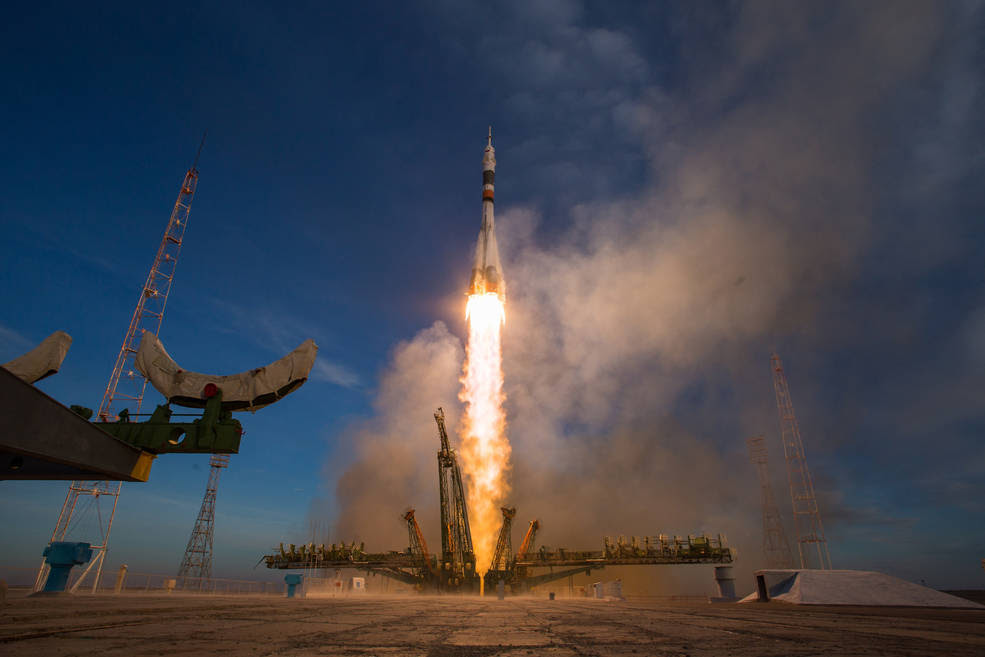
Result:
{"points": [[396, 449], [637, 338]]}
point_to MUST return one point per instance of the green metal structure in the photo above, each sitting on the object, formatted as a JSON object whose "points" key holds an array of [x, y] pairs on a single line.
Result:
{"points": [[215, 432]]}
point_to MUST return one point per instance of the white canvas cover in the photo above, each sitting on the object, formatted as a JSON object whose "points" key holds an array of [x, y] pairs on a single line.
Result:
{"points": [[44, 360], [852, 587], [245, 391]]}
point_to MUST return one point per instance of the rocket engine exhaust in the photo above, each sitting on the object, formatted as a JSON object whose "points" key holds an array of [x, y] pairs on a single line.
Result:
{"points": [[485, 447]]}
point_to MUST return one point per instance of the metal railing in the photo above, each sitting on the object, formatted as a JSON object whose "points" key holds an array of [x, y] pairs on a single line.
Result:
{"points": [[136, 582]]}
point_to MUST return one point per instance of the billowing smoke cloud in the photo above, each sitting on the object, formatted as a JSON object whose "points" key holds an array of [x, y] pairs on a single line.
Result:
{"points": [[637, 338], [396, 448]]}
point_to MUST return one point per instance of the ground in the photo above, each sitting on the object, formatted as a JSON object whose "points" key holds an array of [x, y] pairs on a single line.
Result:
{"points": [[450, 626]]}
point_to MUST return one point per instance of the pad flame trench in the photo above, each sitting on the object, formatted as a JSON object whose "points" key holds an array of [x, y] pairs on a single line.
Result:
{"points": [[485, 449]]}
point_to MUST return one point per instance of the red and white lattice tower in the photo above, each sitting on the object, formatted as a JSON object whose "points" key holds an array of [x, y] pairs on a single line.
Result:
{"points": [[776, 547], [125, 390], [195, 571], [807, 519]]}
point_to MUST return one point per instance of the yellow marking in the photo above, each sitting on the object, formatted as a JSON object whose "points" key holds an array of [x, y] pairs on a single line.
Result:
{"points": [[141, 469]]}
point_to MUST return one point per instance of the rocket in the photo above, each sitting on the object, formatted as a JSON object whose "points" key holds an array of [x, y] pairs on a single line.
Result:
{"points": [[487, 274]]}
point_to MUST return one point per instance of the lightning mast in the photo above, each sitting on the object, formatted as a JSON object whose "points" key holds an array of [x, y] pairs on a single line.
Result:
{"points": [[126, 384], [197, 562], [776, 548], [807, 519]]}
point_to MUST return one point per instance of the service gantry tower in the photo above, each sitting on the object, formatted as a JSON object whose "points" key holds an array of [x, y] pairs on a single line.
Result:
{"points": [[195, 571], [776, 547], [457, 567], [126, 386], [806, 518], [418, 546], [502, 561]]}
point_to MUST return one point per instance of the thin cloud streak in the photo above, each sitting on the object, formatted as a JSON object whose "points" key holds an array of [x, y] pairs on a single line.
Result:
{"points": [[281, 333], [10, 337]]}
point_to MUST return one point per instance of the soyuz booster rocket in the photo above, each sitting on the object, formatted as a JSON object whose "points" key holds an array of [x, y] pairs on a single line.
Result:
{"points": [[487, 274]]}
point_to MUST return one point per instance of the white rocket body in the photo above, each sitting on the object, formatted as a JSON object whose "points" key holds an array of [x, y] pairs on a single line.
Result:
{"points": [[487, 273]]}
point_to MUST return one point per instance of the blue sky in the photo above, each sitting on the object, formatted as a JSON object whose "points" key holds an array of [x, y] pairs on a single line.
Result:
{"points": [[682, 187]]}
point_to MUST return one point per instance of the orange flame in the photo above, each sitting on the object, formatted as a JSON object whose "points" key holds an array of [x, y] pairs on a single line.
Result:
{"points": [[485, 448]]}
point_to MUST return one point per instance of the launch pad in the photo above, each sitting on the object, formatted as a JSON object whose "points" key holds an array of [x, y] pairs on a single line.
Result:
{"points": [[485, 453], [454, 570]]}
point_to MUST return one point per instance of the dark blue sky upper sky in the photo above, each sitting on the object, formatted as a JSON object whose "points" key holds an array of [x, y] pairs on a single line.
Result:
{"points": [[681, 188]]}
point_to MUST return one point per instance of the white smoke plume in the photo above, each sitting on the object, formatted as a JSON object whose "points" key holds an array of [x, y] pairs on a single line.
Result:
{"points": [[396, 448]]}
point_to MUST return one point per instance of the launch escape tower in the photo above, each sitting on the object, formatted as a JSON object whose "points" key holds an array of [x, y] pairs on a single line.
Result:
{"points": [[457, 566], [125, 390], [776, 547], [807, 519], [195, 571]]}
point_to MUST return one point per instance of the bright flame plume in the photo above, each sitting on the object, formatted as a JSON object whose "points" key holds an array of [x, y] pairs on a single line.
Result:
{"points": [[485, 448]]}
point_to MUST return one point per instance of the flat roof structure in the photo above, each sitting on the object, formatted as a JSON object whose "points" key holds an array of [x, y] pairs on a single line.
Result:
{"points": [[41, 438]]}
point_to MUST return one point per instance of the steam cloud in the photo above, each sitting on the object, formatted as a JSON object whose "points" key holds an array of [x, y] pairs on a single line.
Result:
{"points": [[637, 340]]}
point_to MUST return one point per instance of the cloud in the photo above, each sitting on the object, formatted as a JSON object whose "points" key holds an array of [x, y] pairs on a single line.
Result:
{"points": [[562, 76], [281, 333], [11, 338], [12, 343], [334, 373]]}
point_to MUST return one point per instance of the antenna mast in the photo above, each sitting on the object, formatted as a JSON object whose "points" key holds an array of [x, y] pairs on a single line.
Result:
{"points": [[807, 519], [776, 548], [197, 562], [126, 385]]}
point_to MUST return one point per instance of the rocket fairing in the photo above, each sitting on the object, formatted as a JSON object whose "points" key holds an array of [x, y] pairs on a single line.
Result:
{"points": [[487, 274]]}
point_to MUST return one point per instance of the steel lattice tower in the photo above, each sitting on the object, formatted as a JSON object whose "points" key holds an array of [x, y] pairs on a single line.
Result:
{"points": [[776, 547], [126, 385], [197, 562], [418, 546], [807, 519], [504, 546], [456, 533]]}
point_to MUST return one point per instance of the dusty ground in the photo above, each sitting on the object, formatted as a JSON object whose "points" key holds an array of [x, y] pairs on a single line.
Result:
{"points": [[453, 626]]}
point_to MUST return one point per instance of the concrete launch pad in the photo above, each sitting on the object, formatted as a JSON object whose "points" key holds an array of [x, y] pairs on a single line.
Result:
{"points": [[449, 626]]}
